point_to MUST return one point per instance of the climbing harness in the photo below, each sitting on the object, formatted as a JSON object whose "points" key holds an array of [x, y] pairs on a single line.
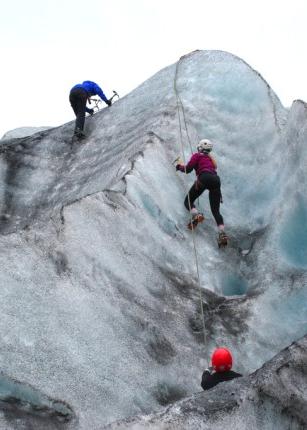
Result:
{"points": [[180, 106]]}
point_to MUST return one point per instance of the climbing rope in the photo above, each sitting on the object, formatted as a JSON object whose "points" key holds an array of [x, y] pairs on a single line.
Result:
{"points": [[180, 105]]}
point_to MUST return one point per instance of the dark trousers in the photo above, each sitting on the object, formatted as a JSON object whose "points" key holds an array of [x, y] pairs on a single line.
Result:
{"points": [[207, 181], [78, 98]]}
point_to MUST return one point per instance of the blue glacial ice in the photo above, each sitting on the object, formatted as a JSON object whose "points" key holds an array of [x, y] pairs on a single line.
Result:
{"points": [[99, 296]]}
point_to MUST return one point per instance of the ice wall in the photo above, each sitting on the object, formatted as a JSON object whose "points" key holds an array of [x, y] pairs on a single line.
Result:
{"points": [[99, 300], [273, 397]]}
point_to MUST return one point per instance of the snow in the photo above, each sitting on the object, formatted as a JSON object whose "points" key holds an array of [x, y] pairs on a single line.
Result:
{"points": [[99, 299]]}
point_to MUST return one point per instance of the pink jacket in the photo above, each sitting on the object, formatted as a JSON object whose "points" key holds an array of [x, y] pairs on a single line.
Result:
{"points": [[201, 163]]}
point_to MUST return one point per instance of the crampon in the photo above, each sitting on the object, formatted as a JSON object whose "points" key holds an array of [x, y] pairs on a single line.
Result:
{"points": [[195, 221], [222, 239]]}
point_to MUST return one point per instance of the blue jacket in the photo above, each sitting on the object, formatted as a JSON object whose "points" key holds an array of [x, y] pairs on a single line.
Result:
{"points": [[92, 89]]}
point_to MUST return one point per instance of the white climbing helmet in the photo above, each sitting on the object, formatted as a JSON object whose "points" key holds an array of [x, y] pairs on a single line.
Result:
{"points": [[204, 145]]}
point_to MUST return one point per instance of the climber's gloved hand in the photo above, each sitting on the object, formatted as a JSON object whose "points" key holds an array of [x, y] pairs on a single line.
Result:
{"points": [[179, 167], [91, 111], [109, 102]]}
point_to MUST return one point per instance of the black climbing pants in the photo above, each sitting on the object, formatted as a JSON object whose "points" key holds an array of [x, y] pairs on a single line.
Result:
{"points": [[207, 181], [78, 98]]}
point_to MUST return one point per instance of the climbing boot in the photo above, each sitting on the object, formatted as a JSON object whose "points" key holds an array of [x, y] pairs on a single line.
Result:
{"points": [[196, 219], [79, 133], [222, 239]]}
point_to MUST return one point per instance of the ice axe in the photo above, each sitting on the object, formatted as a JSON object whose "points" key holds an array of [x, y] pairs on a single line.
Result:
{"points": [[96, 101], [177, 161], [115, 94]]}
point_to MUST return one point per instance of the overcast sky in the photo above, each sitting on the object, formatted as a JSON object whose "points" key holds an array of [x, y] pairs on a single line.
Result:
{"points": [[47, 46]]}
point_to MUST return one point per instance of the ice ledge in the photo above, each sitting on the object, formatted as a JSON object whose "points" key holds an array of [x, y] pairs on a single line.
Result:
{"points": [[20, 132], [24, 403], [276, 394]]}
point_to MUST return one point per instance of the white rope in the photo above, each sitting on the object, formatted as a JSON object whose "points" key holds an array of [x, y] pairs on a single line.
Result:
{"points": [[179, 104]]}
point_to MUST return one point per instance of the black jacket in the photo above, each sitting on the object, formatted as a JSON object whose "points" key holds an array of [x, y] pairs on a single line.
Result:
{"points": [[209, 379]]}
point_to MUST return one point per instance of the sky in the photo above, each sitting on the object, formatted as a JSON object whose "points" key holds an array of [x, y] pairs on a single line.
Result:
{"points": [[47, 46]]}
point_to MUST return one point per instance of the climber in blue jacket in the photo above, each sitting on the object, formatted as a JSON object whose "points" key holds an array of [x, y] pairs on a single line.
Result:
{"points": [[78, 97]]}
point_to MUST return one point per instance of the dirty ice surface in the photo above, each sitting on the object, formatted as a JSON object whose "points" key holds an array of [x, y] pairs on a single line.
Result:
{"points": [[99, 296]]}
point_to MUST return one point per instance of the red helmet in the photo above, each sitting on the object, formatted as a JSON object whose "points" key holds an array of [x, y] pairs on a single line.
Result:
{"points": [[221, 360]]}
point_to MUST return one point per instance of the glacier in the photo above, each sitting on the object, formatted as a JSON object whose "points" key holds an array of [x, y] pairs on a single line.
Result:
{"points": [[273, 397], [100, 298], [23, 132]]}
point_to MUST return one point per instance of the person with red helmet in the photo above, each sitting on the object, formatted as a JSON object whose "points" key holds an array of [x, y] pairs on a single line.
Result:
{"points": [[221, 369]]}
